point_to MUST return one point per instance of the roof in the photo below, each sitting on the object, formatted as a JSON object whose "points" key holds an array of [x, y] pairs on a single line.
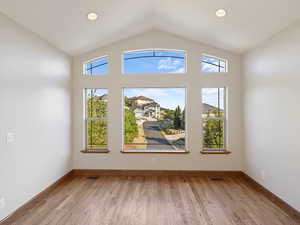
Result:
{"points": [[141, 98]]}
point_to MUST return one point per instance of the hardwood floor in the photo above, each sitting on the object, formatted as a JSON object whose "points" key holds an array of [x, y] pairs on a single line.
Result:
{"points": [[153, 200]]}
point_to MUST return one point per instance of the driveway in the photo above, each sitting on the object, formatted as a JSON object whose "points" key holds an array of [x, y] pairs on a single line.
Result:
{"points": [[155, 139]]}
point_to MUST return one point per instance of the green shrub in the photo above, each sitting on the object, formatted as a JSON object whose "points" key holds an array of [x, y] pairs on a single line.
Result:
{"points": [[131, 127]]}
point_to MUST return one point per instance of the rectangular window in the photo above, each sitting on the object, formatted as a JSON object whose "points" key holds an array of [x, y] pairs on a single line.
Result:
{"points": [[96, 119], [214, 119], [213, 65], [154, 119], [154, 62], [96, 67]]}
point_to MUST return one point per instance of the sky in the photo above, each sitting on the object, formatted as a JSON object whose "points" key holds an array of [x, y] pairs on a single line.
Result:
{"points": [[211, 68], [99, 92], [168, 98], [154, 65], [210, 96], [96, 69]]}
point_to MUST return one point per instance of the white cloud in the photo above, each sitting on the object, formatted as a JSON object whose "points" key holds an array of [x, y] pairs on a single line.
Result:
{"points": [[208, 68], [173, 66], [148, 92]]}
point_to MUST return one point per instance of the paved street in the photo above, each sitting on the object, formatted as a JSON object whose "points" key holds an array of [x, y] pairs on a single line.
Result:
{"points": [[155, 139]]}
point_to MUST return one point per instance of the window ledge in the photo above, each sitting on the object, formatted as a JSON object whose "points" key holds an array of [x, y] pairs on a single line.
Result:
{"points": [[215, 152], [154, 152], [95, 151]]}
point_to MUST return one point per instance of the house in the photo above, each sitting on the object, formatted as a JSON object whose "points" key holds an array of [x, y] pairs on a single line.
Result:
{"points": [[139, 112], [145, 107], [152, 110], [140, 100]]}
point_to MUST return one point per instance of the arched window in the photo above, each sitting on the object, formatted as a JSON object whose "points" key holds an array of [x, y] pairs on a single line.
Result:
{"points": [[154, 62], [97, 66], [211, 64]]}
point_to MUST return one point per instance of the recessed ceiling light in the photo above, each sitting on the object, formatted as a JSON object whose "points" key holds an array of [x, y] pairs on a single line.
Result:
{"points": [[221, 13], [92, 16]]}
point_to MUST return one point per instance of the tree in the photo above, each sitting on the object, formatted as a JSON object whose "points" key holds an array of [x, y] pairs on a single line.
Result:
{"points": [[131, 127], [177, 118], [213, 132], [97, 129], [183, 120], [168, 114]]}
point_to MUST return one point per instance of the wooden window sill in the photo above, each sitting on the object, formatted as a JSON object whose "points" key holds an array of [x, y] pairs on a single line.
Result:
{"points": [[95, 151], [215, 152]]}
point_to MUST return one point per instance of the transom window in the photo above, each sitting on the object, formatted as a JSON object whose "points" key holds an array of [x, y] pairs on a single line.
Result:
{"points": [[154, 62], [214, 119], [96, 67], [96, 119], [213, 64]]}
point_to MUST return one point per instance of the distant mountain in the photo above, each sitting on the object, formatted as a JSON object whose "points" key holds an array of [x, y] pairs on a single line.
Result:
{"points": [[209, 108]]}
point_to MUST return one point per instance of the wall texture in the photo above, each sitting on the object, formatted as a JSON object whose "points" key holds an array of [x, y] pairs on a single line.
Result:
{"points": [[271, 109], [193, 81], [35, 106]]}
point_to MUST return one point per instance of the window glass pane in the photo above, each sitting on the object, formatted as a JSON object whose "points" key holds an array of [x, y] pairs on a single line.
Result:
{"points": [[96, 103], [154, 62], [154, 119], [206, 67], [96, 67], [96, 116], [213, 65], [96, 134], [213, 102], [213, 134]]}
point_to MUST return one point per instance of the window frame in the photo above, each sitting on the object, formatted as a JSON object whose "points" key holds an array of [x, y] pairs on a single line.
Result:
{"points": [[218, 66], [186, 150], [154, 50], [84, 66], [223, 119], [87, 119]]}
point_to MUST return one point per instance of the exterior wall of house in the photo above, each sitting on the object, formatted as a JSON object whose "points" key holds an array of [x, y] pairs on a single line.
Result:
{"points": [[193, 81], [139, 112], [142, 102]]}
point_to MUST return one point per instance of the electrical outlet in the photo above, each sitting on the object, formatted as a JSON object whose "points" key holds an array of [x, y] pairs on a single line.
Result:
{"points": [[2, 202], [10, 137]]}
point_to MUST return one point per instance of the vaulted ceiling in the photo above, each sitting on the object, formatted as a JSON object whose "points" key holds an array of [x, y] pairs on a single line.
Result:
{"points": [[64, 23]]}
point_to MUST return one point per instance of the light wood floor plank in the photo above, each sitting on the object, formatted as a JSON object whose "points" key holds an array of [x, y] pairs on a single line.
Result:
{"points": [[154, 200]]}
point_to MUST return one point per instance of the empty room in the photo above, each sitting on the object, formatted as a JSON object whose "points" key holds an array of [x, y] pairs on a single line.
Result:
{"points": [[149, 112]]}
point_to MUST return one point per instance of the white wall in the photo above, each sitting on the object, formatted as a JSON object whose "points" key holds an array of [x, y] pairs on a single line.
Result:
{"points": [[35, 105], [272, 109], [193, 81]]}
